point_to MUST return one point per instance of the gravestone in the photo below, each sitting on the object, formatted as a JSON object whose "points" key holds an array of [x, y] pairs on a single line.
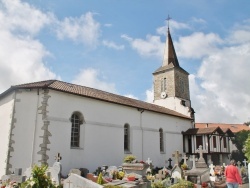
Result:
{"points": [[149, 169], [200, 172], [176, 156], [75, 171], [169, 163], [161, 175], [16, 177], [75, 180], [211, 166], [176, 172], [193, 159], [185, 158], [245, 163]]}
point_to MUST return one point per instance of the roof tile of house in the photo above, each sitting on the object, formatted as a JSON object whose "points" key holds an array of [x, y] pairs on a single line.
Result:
{"points": [[233, 127]]}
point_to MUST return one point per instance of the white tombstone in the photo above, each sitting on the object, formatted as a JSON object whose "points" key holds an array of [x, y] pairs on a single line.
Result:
{"points": [[211, 166], [55, 172], [75, 171], [75, 180], [200, 151], [185, 158], [193, 159], [245, 163]]}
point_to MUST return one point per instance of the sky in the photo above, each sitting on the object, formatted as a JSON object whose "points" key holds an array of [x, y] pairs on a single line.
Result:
{"points": [[116, 45]]}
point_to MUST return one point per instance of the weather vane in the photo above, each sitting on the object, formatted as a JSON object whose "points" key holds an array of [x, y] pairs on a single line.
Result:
{"points": [[168, 18]]}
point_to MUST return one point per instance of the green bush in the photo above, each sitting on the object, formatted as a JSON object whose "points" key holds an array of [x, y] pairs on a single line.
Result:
{"points": [[38, 178]]}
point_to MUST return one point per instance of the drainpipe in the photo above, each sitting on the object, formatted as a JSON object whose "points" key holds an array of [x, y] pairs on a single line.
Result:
{"points": [[142, 139], [34, 133]]}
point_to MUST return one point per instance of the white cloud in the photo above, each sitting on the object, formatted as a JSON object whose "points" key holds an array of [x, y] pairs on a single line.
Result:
{"points": [[222, 94], [19, 16], [152, 46], [111, 44], [22, 56], [84, 29], [197, 45], [150, 95], [92, 78]]}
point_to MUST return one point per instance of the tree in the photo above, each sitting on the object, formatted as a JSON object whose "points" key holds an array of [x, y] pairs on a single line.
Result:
{"points": [[239, 141], [247, 148]]}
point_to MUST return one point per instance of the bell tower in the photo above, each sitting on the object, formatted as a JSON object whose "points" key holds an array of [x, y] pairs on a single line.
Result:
{"points": [[171, 83]]}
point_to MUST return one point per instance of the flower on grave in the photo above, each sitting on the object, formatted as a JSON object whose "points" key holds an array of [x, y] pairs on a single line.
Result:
{"points": [[184, 166], [150, 177], [129, 159], [121, 175]]}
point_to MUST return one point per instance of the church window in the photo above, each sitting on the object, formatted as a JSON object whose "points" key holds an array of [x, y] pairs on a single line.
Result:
{"points": [[126, 137], [76, 120], [163, 84], [161, 140]]}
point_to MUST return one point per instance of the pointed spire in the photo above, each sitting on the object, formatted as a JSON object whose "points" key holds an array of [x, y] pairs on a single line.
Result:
{"points": [[169, 53]]}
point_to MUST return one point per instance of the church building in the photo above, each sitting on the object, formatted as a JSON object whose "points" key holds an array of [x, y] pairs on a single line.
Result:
{"points": [[90, 127]]}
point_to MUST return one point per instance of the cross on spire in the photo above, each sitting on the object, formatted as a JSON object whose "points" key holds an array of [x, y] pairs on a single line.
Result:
{"points": [[168, 19], [58, 157]]}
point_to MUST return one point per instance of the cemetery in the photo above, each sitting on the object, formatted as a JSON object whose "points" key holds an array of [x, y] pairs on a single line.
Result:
{"points": [[186, 171]]}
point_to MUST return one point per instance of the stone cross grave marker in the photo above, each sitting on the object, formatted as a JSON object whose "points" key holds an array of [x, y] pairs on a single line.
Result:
{"points": [[160, 175], [211, 166], [169, 163], [58, 157], [238, 163], [69, 182], [185, 158], [200, 151], [149, 162], [245, 163], [176, 156], [193, 159]]}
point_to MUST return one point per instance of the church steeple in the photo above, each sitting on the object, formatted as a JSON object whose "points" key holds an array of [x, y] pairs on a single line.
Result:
{"points": [[169, 53], [171, 84]]}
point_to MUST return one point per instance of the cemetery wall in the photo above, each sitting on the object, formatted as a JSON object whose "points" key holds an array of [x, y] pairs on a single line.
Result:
{"points": [[6, 112]]}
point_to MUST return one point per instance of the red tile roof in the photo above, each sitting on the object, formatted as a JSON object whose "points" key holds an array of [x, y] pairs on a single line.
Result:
{"points": [[95, 94], [233, 127], [202, 131]]}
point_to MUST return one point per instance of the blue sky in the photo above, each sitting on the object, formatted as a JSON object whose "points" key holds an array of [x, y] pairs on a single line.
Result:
{"points": [[116, 46]]}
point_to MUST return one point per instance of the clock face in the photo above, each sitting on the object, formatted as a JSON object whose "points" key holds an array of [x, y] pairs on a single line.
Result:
{"points": [[163, 95]]}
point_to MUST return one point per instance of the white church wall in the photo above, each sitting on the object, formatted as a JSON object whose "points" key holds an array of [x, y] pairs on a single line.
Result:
{"points": [[6, 112], [24, 128], [175, 104], [102, 133], [103, 121]]}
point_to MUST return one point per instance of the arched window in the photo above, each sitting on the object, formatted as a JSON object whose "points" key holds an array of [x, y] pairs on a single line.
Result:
{"points": [[161, 140], [76, 120], [163, 84], [126, 138]]}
